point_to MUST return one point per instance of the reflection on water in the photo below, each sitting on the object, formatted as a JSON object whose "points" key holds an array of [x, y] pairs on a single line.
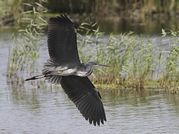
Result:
{"points": [[39, 108], [48, 110], [145, 26]]}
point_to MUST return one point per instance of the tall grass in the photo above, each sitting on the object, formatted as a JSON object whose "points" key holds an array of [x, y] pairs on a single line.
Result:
{"points": [[24, 52], [171, 77], [134, 62]]}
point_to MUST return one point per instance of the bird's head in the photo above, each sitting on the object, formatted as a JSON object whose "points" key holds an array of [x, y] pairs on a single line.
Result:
{"points": [[93, 63]]}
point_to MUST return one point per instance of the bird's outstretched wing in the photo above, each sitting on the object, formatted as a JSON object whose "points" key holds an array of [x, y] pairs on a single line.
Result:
{"points": [[82, 92], [62, 41]]}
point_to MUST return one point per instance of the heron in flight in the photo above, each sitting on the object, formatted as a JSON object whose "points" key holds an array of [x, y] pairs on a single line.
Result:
{"points": [[64, 67]]}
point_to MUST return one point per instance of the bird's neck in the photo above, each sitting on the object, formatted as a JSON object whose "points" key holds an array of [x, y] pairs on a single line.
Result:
{"points": [[87, 68]]}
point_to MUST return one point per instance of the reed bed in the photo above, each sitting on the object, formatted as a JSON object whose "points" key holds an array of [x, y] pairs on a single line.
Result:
{"points": [[134, 62], [24, 52]]}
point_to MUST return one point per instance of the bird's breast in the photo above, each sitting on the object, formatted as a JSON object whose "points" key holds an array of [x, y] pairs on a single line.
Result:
{"points": [[83, 73], [70, 71], [66, 72]]}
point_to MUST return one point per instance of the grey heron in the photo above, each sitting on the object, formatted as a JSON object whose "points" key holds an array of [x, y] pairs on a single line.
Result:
{"points": [[64, 67]]}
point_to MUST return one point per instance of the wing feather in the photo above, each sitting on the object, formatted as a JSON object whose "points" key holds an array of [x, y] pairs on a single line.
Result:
{"points": [[82, 92], [62, 41]]}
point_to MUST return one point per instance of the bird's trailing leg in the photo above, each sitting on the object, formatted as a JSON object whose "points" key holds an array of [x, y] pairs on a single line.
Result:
{"points": [[35, 77]]}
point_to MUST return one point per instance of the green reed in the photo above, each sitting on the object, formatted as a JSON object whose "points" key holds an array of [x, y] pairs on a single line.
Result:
{"points": [[171, 76], [24, 52], [134, 62]]}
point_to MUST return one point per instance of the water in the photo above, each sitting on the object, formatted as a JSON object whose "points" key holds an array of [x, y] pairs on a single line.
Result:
{"points": [[28, 109], [146, 26]]}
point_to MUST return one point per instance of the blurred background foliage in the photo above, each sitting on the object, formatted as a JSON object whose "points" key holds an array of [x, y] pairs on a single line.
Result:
{"points": [[136, 14]]}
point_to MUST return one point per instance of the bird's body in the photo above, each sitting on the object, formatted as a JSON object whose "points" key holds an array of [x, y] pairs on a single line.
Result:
{"points": [[81, 69], [64, 67]]}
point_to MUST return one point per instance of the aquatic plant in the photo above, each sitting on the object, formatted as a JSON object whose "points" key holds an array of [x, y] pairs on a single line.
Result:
{"points": [[24, 52], [134, 62], [171, 76]]}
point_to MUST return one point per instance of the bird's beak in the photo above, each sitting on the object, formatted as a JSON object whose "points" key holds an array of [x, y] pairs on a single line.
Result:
{"points": [[102, 65]]}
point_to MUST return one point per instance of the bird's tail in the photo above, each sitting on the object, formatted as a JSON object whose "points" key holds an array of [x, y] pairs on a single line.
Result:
{"points": [[35, 77]]}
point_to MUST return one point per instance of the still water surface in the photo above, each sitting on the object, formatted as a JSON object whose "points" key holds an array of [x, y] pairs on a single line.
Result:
{"points": [[27, 109]]}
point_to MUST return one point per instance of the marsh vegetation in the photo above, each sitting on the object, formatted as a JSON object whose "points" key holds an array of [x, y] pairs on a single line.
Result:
{"points": [[24, 52], [135, 62]]}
